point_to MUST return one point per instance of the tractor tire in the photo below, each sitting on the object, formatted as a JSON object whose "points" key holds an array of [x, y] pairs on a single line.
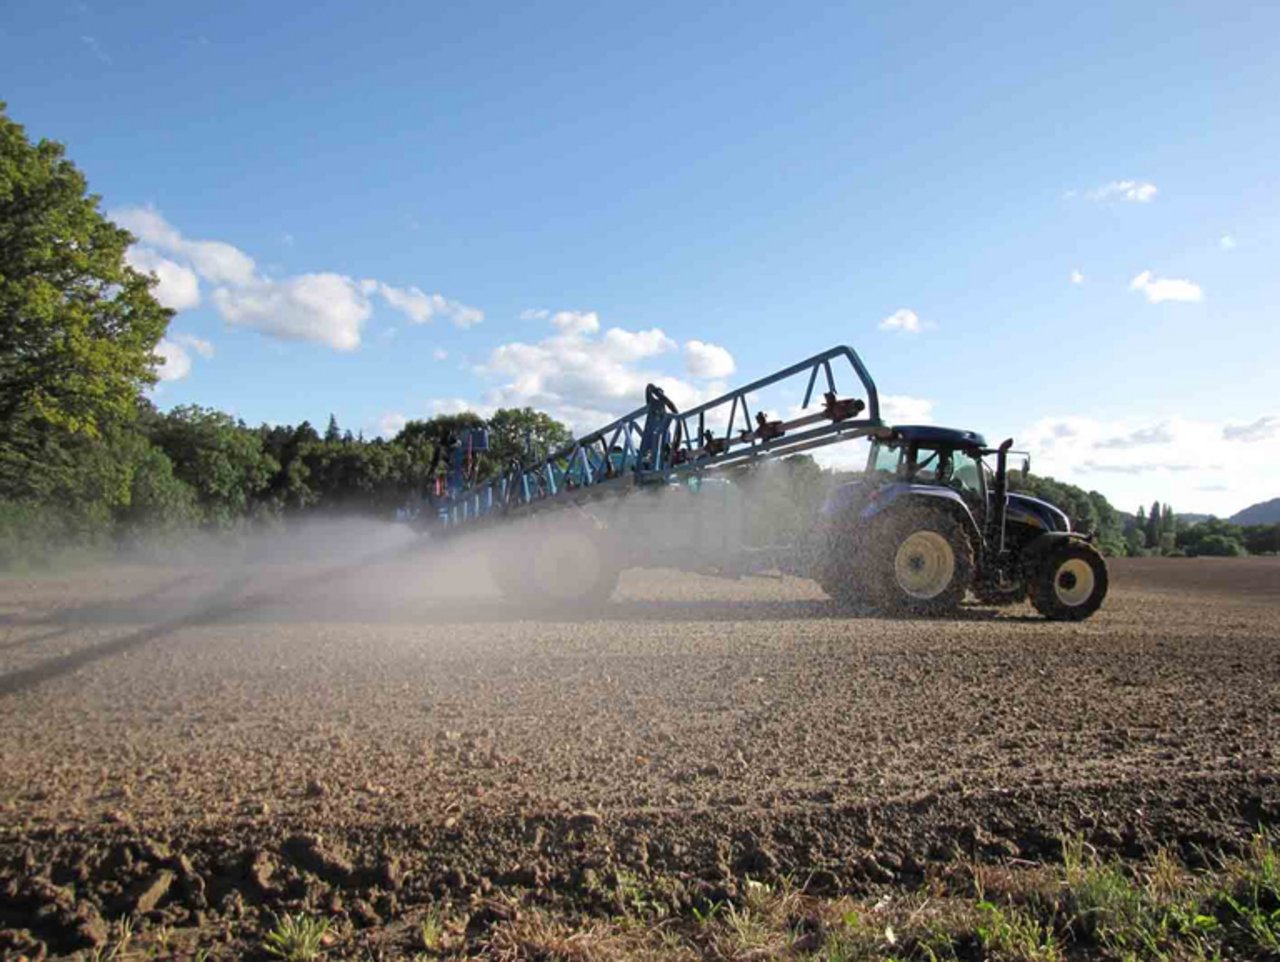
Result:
{"points": [[840, 566], [570, 564], [919, 561], [1069, 582], [509, 569]]}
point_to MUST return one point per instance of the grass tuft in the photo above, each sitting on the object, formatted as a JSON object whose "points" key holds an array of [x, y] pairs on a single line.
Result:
{"points": [[297, 938]]}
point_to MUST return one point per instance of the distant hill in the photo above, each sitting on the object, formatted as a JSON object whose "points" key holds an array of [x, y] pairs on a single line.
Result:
{"points": [[1264, 512], [1189, 518]]}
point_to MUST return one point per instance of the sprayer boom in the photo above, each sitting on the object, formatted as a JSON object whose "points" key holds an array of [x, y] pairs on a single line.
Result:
{"points": [[658, 443]]}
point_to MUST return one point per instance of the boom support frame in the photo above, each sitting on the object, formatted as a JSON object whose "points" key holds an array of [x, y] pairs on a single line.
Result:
{"points": [[659, 444]]}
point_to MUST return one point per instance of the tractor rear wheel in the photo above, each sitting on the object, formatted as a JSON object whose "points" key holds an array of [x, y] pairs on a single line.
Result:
{"points": [[570, 563], [1069, 582], [840, 564], [919, 562]]}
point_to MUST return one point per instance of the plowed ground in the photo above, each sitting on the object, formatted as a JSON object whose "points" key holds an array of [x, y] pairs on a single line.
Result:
{"points": [[203, 747]]}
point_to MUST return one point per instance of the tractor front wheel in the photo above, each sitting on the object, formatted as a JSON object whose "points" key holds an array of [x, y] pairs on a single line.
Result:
{"points": [[1069, 582], [921, 562]]}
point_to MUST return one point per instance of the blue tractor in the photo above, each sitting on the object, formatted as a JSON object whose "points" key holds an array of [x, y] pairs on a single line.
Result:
{"points": [[932, 517]]}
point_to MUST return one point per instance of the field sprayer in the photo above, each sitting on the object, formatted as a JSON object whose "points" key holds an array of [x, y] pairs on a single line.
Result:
{"points": [[930, 519]]}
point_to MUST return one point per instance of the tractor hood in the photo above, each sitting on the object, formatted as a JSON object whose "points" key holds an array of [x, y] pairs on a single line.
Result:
{"points": [[1038, 514]]}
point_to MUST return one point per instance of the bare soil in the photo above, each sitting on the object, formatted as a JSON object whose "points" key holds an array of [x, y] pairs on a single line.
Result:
{"points": [[205, 746]]}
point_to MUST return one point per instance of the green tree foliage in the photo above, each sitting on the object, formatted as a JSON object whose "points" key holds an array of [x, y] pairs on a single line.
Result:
{"points": [[511, 428], [1214, 537], [222, 460], [77, 325], [1262, 538]]}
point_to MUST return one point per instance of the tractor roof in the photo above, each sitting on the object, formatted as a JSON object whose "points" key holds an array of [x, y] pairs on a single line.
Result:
{"points": [[931, 434]]}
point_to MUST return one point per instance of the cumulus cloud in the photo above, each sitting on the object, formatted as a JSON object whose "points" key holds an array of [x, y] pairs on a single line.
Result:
{"points": [[584, 377], [215, 261], [391, 423], [903, 320], [702, 359], [905, 409], [324, 307], [1155, 434], [328, 308], [198, 344], [1132, 460], [1263, 429], [1130, 191], [421, 307], [1157, 289], [535, 314], [1077, 277], [175, 362], [177, 286], [576, 322]]}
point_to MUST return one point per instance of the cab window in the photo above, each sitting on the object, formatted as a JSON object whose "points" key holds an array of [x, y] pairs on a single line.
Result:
{"points": [[885, 457]]}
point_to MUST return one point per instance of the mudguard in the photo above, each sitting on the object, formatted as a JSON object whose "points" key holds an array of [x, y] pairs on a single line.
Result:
{"points": [[1041, 545], [891, 494]]}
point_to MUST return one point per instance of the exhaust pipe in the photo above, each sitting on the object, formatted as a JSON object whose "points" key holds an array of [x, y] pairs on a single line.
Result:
{"points": [[1001, 494]]}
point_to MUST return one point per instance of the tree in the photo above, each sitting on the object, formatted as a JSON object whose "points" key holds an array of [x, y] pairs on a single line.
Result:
{"points": [[332, 433], [221, 459], [510, 428], [78, 326], [1212, 537], [1153, 526]]}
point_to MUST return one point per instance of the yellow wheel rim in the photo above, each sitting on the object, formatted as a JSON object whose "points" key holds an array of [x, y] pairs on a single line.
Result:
{"points": [[924, 565], [1073, 582]]}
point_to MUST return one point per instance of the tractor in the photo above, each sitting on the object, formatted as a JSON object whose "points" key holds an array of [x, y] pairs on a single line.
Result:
{"points": [[932, 518]]}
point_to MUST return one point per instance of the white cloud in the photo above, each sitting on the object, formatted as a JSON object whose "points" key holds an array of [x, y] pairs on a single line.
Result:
{"points": [[1160, 433], [1077, 277], [390, 424], [905, 409], [198, 344], [215, 261], [175, 362], [629, 346], [1131, 191], [1263, 429], [459, 405], [1227, 242], [421, 307], [903, 320], [585, 378], [535, 314], [576, 322], [1134, 460], [328, 308], [325, 307], [440, 354], [702, 359], [177, 287], [1157, 289]]}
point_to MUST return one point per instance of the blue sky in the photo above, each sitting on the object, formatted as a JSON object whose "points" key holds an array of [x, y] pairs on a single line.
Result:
{"points": [[388, 210]]}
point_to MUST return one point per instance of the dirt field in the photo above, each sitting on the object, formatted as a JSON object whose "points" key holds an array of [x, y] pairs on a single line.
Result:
{"points": [[205, 746]]}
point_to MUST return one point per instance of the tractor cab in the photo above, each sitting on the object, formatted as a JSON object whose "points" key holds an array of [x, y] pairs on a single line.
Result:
{"points": [[932, 456]]}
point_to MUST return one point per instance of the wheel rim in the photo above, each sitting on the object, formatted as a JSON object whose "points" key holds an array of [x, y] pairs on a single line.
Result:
{"points": [[565, 565], [1073, 583], [924, 565]]}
